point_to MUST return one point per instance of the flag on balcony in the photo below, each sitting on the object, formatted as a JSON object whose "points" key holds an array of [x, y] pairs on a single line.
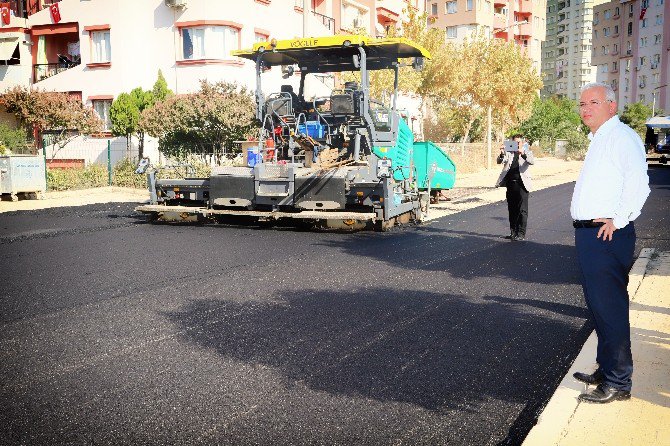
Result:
{"points": [[6, 15], [55, 12], [643, 11]]}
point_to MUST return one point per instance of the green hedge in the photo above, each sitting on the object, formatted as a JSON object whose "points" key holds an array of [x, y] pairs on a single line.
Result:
{"points": [[95, 175], [123, 175]]}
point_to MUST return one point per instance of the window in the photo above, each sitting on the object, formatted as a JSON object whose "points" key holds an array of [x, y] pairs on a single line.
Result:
{"points": [[433, 9], [643, 60], [451, 32], [451, 8], [603, 68], [606, 31], [630, 28], [616, 30], [645, 23], [209, 42], [608, 14], [643, 41], [615, 50], [645, 3], [614, 66], [616, 12], [659, 19], [260, 37], [101, 108], [101, 49], [468, 5], [658, 39]]}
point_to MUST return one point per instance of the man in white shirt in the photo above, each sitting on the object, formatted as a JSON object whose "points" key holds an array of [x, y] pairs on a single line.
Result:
{"points": [[609, 194]]}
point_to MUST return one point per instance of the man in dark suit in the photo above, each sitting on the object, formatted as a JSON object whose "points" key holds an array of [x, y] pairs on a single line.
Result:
{"points": [[517, 179]]}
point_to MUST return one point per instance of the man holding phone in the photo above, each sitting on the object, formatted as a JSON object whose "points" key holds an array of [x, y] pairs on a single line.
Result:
{"points": [[516, 157]]}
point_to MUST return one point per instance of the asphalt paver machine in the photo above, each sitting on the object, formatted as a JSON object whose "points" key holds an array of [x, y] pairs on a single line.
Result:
{"points": [[343, 161]]}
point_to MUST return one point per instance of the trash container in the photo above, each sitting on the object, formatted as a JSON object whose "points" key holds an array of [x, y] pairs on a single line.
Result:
{"points": [[22, 174]]}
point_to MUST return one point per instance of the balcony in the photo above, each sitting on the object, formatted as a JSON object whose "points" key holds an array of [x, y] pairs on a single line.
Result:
{"points": [[46, 70], [526, 29], [525, 7], [55, 49], [26, 8], [499, 21]]}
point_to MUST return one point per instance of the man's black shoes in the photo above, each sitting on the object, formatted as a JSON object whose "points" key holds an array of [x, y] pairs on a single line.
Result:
{"points": [[596, 378], [604, 394]]}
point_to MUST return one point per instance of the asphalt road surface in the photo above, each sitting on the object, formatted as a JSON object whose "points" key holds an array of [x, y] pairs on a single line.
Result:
{"points": [[115, 331]]}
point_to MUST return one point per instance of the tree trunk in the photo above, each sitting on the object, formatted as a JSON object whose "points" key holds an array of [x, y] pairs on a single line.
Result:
{"points": [[466, 135]]}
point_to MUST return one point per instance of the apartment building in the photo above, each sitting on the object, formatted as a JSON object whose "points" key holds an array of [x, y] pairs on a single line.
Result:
{"points": [[566, 53], [519, 21], [97, 49], [631, 50]]}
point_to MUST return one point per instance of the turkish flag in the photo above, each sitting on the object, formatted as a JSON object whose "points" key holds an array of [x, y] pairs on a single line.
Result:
{"points": [[55, 12], [643, 11], [6, 15]]}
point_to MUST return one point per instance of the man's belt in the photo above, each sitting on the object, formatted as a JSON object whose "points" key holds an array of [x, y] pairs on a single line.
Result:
{"points": [[586, 224]]}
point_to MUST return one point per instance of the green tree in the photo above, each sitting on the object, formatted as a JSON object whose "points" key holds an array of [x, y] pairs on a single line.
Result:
{"points": [[128, 107], [551, 119], [202, 122], [125, 116], [160, 89], [635, 115]]}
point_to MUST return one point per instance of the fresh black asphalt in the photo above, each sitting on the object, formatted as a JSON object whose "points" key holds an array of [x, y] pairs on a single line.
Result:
{"points": [[116, 331]]}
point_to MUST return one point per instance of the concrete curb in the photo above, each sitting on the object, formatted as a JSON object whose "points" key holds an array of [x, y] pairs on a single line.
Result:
{"points": [[554, 422]]}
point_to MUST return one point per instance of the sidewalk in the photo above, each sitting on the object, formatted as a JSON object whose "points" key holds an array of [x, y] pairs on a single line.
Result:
{"points": [[645, 418], [76, 198]]}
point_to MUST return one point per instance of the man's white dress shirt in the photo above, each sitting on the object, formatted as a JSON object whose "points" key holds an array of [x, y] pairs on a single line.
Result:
{"points": [[613, 182]]}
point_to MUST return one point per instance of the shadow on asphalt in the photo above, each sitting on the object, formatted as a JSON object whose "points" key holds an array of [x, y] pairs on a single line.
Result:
{"points": [[395, 345], [466, 254]]}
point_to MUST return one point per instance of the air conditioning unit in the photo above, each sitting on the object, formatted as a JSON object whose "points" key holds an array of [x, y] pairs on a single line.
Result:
{"points": [[176, 3], [642, 85]]}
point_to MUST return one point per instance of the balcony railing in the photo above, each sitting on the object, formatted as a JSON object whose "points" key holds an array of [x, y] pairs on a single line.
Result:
{"points": [[46, 70]]}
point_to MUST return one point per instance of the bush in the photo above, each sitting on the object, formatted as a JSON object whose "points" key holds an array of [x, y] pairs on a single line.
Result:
{"points": [[12, 139], [94, 175], [124, 175], [578, 144]]}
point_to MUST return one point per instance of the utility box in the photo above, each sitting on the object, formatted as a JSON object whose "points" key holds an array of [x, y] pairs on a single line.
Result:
{"points": [[22, 174]]}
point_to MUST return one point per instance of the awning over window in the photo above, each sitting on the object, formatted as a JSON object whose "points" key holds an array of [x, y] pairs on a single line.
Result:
{"points": [[8, 46]]}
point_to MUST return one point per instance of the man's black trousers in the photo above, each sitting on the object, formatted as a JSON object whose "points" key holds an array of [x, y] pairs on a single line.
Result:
{"points": [[605, 266], [517, 206]]}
